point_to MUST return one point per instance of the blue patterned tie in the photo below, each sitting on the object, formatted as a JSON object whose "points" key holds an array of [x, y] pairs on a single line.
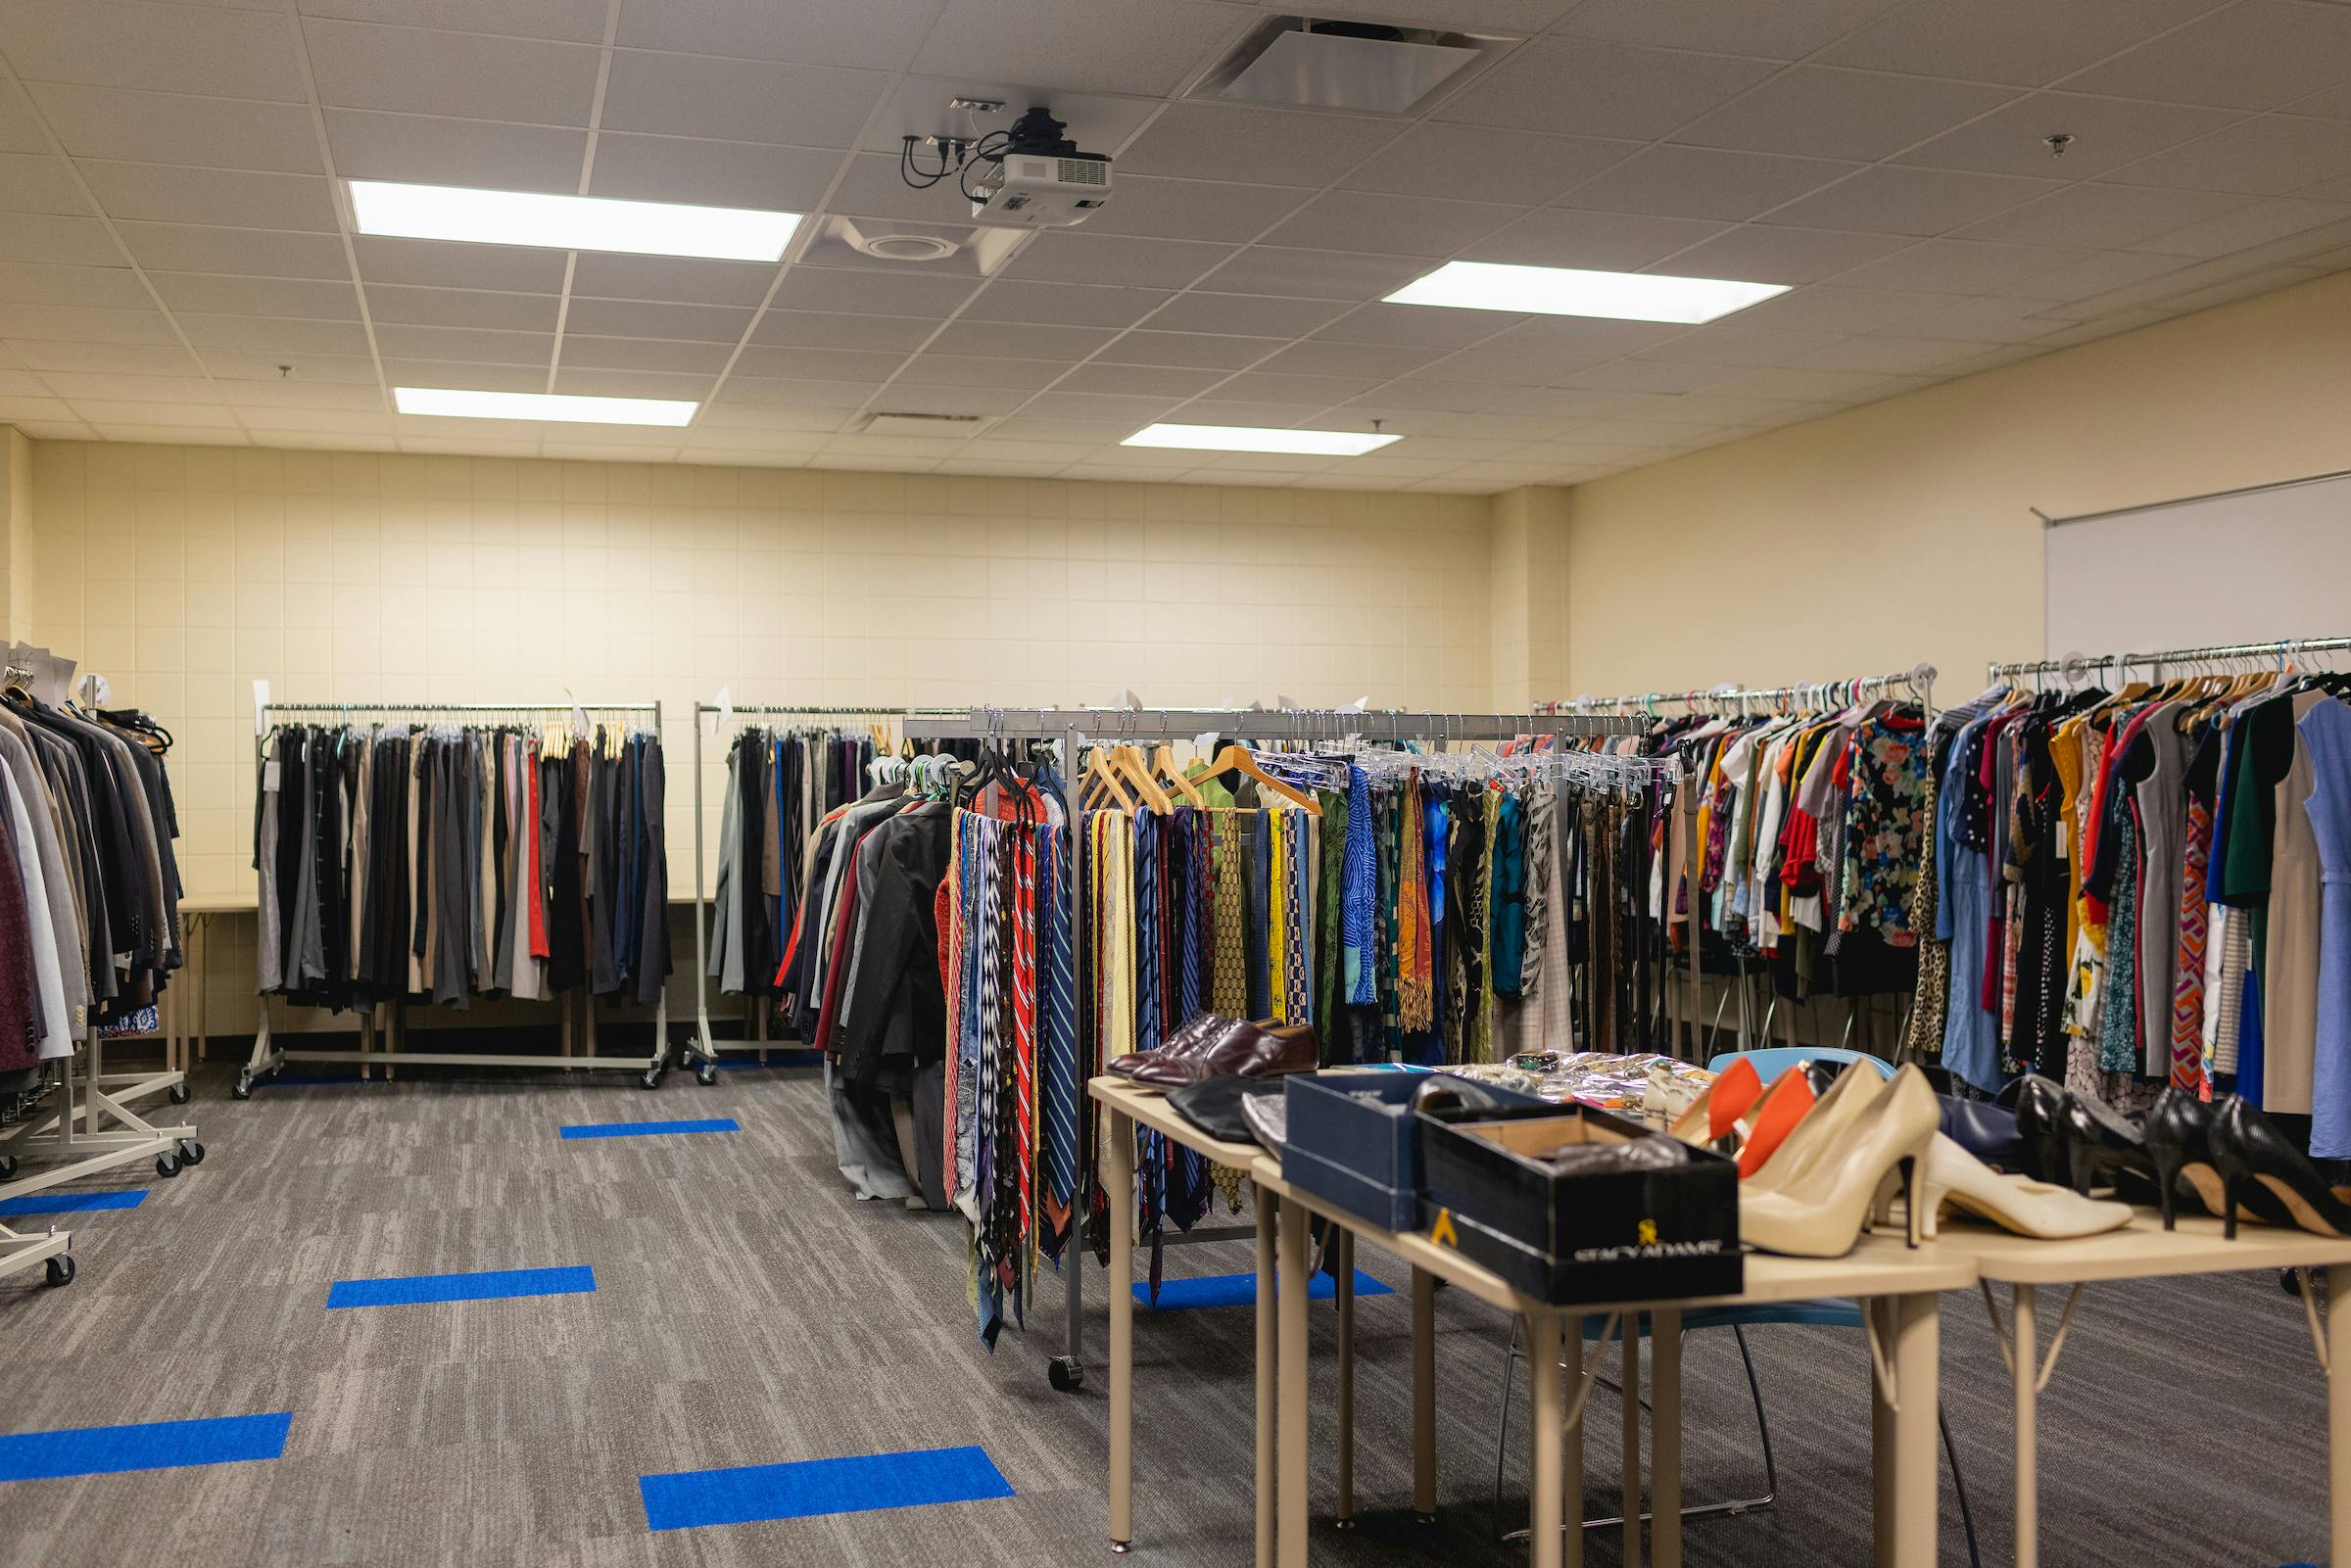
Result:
{"points": [[1060, 1087]]}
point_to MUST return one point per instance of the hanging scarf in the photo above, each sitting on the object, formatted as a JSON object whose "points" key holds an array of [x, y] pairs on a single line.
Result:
{"points": [[1416, 929]]}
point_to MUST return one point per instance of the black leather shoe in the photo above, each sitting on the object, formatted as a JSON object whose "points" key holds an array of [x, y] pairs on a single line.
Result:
{"points": [[2251, 1154], [2102, 1147], [2041, 1124], [2179, 1134]]}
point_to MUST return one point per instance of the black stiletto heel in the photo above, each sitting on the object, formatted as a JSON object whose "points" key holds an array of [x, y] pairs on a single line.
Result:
{"points": [[2229, 1180], [2251, 1153], [1913, 1169], [2104, 1147], [2041, 1124]]}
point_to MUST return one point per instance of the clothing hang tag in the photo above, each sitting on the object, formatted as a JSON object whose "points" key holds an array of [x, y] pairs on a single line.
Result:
{"points": [[1359, 705], [60, 678], [261, 705], [1205, 742], [269, 775], [2062, 852], [723, 719]]}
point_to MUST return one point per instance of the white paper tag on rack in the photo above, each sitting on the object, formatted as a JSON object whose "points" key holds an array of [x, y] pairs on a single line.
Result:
{"points": [[261, 705], [723, 719], [1205, 742]]}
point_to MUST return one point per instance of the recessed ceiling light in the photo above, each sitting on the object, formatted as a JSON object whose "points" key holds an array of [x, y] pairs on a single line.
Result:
{"points": [[1253, 438], [456, 403], [1565, 290], [569, 223]]}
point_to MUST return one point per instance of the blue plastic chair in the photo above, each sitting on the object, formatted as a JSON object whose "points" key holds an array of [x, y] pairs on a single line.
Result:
{"points": [[1773, 1060]]}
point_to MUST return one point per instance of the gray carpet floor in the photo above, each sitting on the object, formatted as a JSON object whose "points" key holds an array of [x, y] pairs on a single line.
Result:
{"points": [[748, 1311]]}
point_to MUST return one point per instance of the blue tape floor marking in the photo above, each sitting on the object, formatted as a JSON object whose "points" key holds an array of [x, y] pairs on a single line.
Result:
{"points": [[1240, 1290], [71, 1203], [497, 1284], [643, 1130], [861, 1484], [145, 1446]]}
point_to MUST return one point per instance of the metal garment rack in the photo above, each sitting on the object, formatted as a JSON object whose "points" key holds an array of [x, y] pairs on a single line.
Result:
{"points": [[96, 1131], [1073, 726], [703, 1049], [389, 1019], [2079, 667]]}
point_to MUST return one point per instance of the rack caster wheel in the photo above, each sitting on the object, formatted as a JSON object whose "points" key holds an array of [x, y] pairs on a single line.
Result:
{"points": [[167, 1164], [241, 1089], [1342, 1524], [191, 1153], [651, 1080], [706, 1075], [8, 1167], [1069, 1376], [1425, 1518], [2289, 1283], [1119, 1549], [61, 1269]]}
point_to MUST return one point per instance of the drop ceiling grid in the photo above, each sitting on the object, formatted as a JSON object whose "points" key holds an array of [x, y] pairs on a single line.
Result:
{"points": [[1613, 403]]}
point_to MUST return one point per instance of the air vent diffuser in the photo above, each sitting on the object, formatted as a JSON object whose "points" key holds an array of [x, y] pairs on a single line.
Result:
{"points": [[952, 426], [1365, 68]]}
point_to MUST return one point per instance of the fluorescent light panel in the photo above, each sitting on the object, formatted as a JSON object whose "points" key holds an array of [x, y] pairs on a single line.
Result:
{"points": [[453, 403], [569, 223], [1253, 438], [1566, 291]]}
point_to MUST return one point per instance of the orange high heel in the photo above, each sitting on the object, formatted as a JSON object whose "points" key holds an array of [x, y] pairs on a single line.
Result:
{"points": [[1787, 1101], [1729, 1097]]}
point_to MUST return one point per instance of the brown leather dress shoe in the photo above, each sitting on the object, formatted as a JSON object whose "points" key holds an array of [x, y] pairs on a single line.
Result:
{"points": [[1197, 1035], [1244, 1050]]}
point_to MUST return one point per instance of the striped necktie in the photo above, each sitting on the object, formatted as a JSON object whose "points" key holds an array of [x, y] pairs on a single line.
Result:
{"points": [[1024, 1023], [1060, 1087]]}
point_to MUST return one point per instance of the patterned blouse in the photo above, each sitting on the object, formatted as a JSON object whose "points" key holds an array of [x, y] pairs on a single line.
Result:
{"points": [[1883, 817]]}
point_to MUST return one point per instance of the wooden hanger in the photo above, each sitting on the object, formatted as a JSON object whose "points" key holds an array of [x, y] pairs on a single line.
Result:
{"points": [[1162, 761], [1102, 781], [1237, 759], [1130, 759]]}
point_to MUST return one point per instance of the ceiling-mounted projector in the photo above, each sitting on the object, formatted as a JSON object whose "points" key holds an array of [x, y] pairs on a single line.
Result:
{"points": [[1031, 175]]}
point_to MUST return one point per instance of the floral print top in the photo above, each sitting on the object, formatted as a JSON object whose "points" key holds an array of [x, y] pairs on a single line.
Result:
{"points": [[1885, 807]]}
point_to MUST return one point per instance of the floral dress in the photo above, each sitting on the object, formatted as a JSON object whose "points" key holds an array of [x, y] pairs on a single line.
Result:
{"points": [[1885, 812]]}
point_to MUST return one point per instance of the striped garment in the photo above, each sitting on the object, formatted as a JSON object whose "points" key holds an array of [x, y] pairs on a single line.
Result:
{"points": [[2189, 1067]]}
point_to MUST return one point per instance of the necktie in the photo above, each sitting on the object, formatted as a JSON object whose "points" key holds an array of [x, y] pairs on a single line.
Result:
{"points": [[1024, 1023], [1061, 1086]]}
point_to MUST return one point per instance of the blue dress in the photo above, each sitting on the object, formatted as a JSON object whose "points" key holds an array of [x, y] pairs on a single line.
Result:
{"points": [[2326, 731], [1971, 1036]]}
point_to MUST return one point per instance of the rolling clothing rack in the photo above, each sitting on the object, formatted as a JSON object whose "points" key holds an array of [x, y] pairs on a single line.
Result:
{"points": [[2079, 666], [1073, 727], [388, 1021], [702, 1051]]}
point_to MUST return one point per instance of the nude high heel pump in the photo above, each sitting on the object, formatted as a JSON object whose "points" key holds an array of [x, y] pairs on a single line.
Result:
{"points": [[1713, 1115], [1822, 1132], [1822, 1216], [1957, 1179]]}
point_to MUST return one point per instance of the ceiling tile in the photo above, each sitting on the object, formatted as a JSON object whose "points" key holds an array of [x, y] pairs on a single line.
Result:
{"points": [[162, 48], [21, 128], [235, 364], [872, 186], [573, 20], [1816, 386], [636, 353], [638, 318], [466, 375], [591, 382], [1417, 325], [830, 365], [1616, 242], [1279, 147], [818, 329], [462, 307], [1644, 375], [2265, 157], [1424, 395], [234, 197], [1960, 267], [155, 421], [671, 169], [1830, 307], [80, 325], [2102, 216], [1721, 344], [2245, 228], [760, 392], [468, 345], [1986, 318], [431, 264], [428, 150], [1312, 392], [76, 386], [878, 34], [25, 411], [1223, 410], [1063, 256], [1785, 29], [258, 252], [1760, 253], [1195, 350], [1315, 357], [107, 288], [1580, 337], [2107, 132], [170, 128], [1327, 274], [1476, 163], [1029, 340], [63, 241], [1139, 380], [1890, 200], [2256, 55], [1074, 305], [2333, 103], [900, 398], [284, 336], [1134, 412], [2095, 274], [1194, 210], [682, 279], [2021, 41], [362, 66], [1668, 181], [1390, 226], [38, 183], [1889, 354], [738, 100], [968, 371], [281, 392], [1816, 112], [826, 288], [1104, 46], [113, 358], [1501, 366], [1592, 88], [215, 294], [1242, 314]]}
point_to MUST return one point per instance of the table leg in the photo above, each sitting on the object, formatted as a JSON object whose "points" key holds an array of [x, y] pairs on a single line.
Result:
{"points": [[1424, 1396], [1343, 1293], [1917, 1349], [1545, 1478], [2338, 1409], [1289, 1491], [1118, 1179], [1267, 1206], [1571, 1467], [1631, 1379], [2025, 1357], [1665, 1437], [1881, 1443]]}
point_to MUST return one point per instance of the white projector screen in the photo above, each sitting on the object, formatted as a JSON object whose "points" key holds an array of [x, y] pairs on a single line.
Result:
{"points": [[2251, 566]]}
